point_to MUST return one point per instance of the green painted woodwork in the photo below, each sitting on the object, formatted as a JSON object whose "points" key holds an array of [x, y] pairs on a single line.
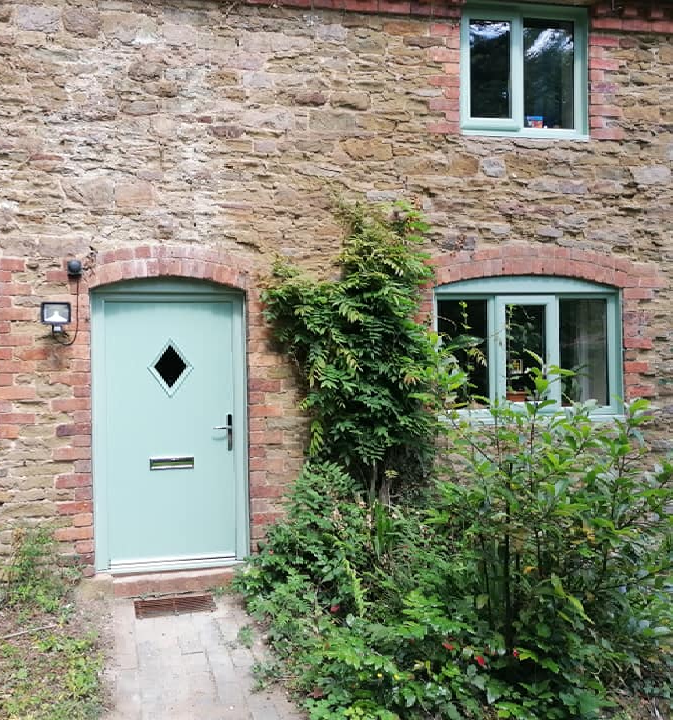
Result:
{"points": [[173, 516], [499, 292], [515, 14]]}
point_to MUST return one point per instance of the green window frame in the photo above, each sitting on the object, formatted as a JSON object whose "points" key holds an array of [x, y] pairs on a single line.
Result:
{"points": [[515, 16], [546, 296]]}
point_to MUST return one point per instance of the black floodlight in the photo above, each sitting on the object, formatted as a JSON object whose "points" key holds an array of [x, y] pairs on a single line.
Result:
{"points": [[55, 314]]}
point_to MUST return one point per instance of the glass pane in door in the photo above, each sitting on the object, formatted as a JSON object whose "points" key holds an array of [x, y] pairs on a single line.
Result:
{"points": [[526, 348]]}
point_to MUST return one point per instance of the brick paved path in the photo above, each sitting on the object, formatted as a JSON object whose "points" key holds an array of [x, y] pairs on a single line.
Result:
{"points": [[188, 667]]}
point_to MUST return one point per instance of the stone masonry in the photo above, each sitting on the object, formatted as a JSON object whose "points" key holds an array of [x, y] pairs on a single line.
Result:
{"points": [[201, 138]]}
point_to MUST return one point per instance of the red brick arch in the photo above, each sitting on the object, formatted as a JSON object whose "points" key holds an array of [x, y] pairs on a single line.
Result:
{"points": [[638, 281], [185, 261]]}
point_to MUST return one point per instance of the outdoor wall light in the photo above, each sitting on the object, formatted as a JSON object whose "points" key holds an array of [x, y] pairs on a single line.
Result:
{"points": [[56, 314]]}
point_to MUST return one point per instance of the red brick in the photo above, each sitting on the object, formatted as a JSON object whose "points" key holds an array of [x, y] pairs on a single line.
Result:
{"points": [[444, 81], [606, 110], [74, 508], [82, 520], [13, 264], [638, 293], [441, 103], [444, 55], [603, 40], [20, 418], [636, 366], [640, 26], [72, 480], [84, 546], [612, 133], [83, 493], [606, 24], [441, 29], [70, 533], [18, 393], [638, 342], [18, 340], [70, 453], [68, 404], [443, 127], [9, 432], [399, 7], [597, 64]]}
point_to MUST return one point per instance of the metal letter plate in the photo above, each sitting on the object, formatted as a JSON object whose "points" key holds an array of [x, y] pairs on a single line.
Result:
{"points": [[172, 463]]}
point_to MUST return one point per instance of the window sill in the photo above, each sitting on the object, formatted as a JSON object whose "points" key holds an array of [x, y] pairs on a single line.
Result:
{"points": [[483, 416], [529, 134]]}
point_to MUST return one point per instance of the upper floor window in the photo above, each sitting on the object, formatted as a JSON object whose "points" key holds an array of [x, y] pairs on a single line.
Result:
{"points": [[521, 323], [524, 71]]}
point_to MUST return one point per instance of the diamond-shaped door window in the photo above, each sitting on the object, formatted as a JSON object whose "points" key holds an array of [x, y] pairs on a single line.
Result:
{"points": [[170, 367]]}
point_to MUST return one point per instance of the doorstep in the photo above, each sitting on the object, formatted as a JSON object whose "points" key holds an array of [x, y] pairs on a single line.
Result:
{"points": [[158, 583]]}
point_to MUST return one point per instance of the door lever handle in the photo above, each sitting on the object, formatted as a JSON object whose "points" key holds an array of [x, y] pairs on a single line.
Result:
{"points": [[229, 427]]}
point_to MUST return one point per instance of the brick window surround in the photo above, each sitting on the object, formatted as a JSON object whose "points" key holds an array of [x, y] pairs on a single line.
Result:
{"points": [[637, 281]]}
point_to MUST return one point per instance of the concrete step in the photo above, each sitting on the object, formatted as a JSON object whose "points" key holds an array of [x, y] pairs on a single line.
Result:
{"points": [[164, 583]]}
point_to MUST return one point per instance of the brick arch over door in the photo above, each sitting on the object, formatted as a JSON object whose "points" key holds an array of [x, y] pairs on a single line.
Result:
{"points": [[148, 261], [638, 281]]}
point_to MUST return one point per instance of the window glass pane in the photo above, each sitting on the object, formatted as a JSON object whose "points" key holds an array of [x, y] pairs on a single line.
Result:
{"points": [[526, 347], [459, 321], [490, 69], [548, 68], [584, 349]]}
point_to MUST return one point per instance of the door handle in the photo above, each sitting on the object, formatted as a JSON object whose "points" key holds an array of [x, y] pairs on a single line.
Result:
{"points": [[229, 427]]}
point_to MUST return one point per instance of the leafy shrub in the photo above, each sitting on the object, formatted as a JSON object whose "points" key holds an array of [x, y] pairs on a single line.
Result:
{"points": [[533, 579], [370, 368]]}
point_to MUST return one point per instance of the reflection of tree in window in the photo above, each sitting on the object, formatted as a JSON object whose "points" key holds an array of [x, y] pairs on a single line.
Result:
{"points": [[463, 323], [584, 349], [489, 69], [548, 73], [526, 345]]}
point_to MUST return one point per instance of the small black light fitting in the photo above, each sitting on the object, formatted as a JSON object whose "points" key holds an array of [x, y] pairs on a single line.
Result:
{"points": [[74, 268]]}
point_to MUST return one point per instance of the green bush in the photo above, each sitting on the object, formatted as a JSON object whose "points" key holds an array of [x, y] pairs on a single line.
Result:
{"points": [[371, 370]]}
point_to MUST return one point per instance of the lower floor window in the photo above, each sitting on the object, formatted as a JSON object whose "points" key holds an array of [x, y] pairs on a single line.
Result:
{"points": [[503, 329]]}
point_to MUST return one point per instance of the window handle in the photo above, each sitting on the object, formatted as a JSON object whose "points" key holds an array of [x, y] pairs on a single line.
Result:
{"points": [[229, 427]]}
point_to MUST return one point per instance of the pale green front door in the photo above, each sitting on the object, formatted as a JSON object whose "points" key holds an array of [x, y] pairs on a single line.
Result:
{"points": [[168, 428]]}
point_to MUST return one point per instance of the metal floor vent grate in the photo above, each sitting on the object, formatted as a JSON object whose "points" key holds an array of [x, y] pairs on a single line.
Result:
{"points": [[175, 605]]}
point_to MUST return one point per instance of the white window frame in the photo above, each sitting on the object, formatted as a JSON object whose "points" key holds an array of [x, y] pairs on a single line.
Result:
{"points": [[498, 292], [514, 14]]}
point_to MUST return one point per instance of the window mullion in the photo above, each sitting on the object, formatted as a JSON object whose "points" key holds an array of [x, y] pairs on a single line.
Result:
{"points": [[553, 348], [493, 349], [500, 347], [516, 79]]}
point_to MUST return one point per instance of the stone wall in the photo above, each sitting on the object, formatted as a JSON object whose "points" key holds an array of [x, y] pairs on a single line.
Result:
{"points": [[201, 138]]}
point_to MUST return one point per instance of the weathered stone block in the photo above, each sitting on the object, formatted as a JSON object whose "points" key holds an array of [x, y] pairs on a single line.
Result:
{"points": [[324, 121], [351, 99], [651, 174], [38, 18], [130, 195], [368, 149], [94, 192], [82, 22], [493, 167]]}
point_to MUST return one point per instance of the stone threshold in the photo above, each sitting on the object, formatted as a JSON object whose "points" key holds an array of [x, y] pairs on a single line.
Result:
{"points": [[157, 583]]}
